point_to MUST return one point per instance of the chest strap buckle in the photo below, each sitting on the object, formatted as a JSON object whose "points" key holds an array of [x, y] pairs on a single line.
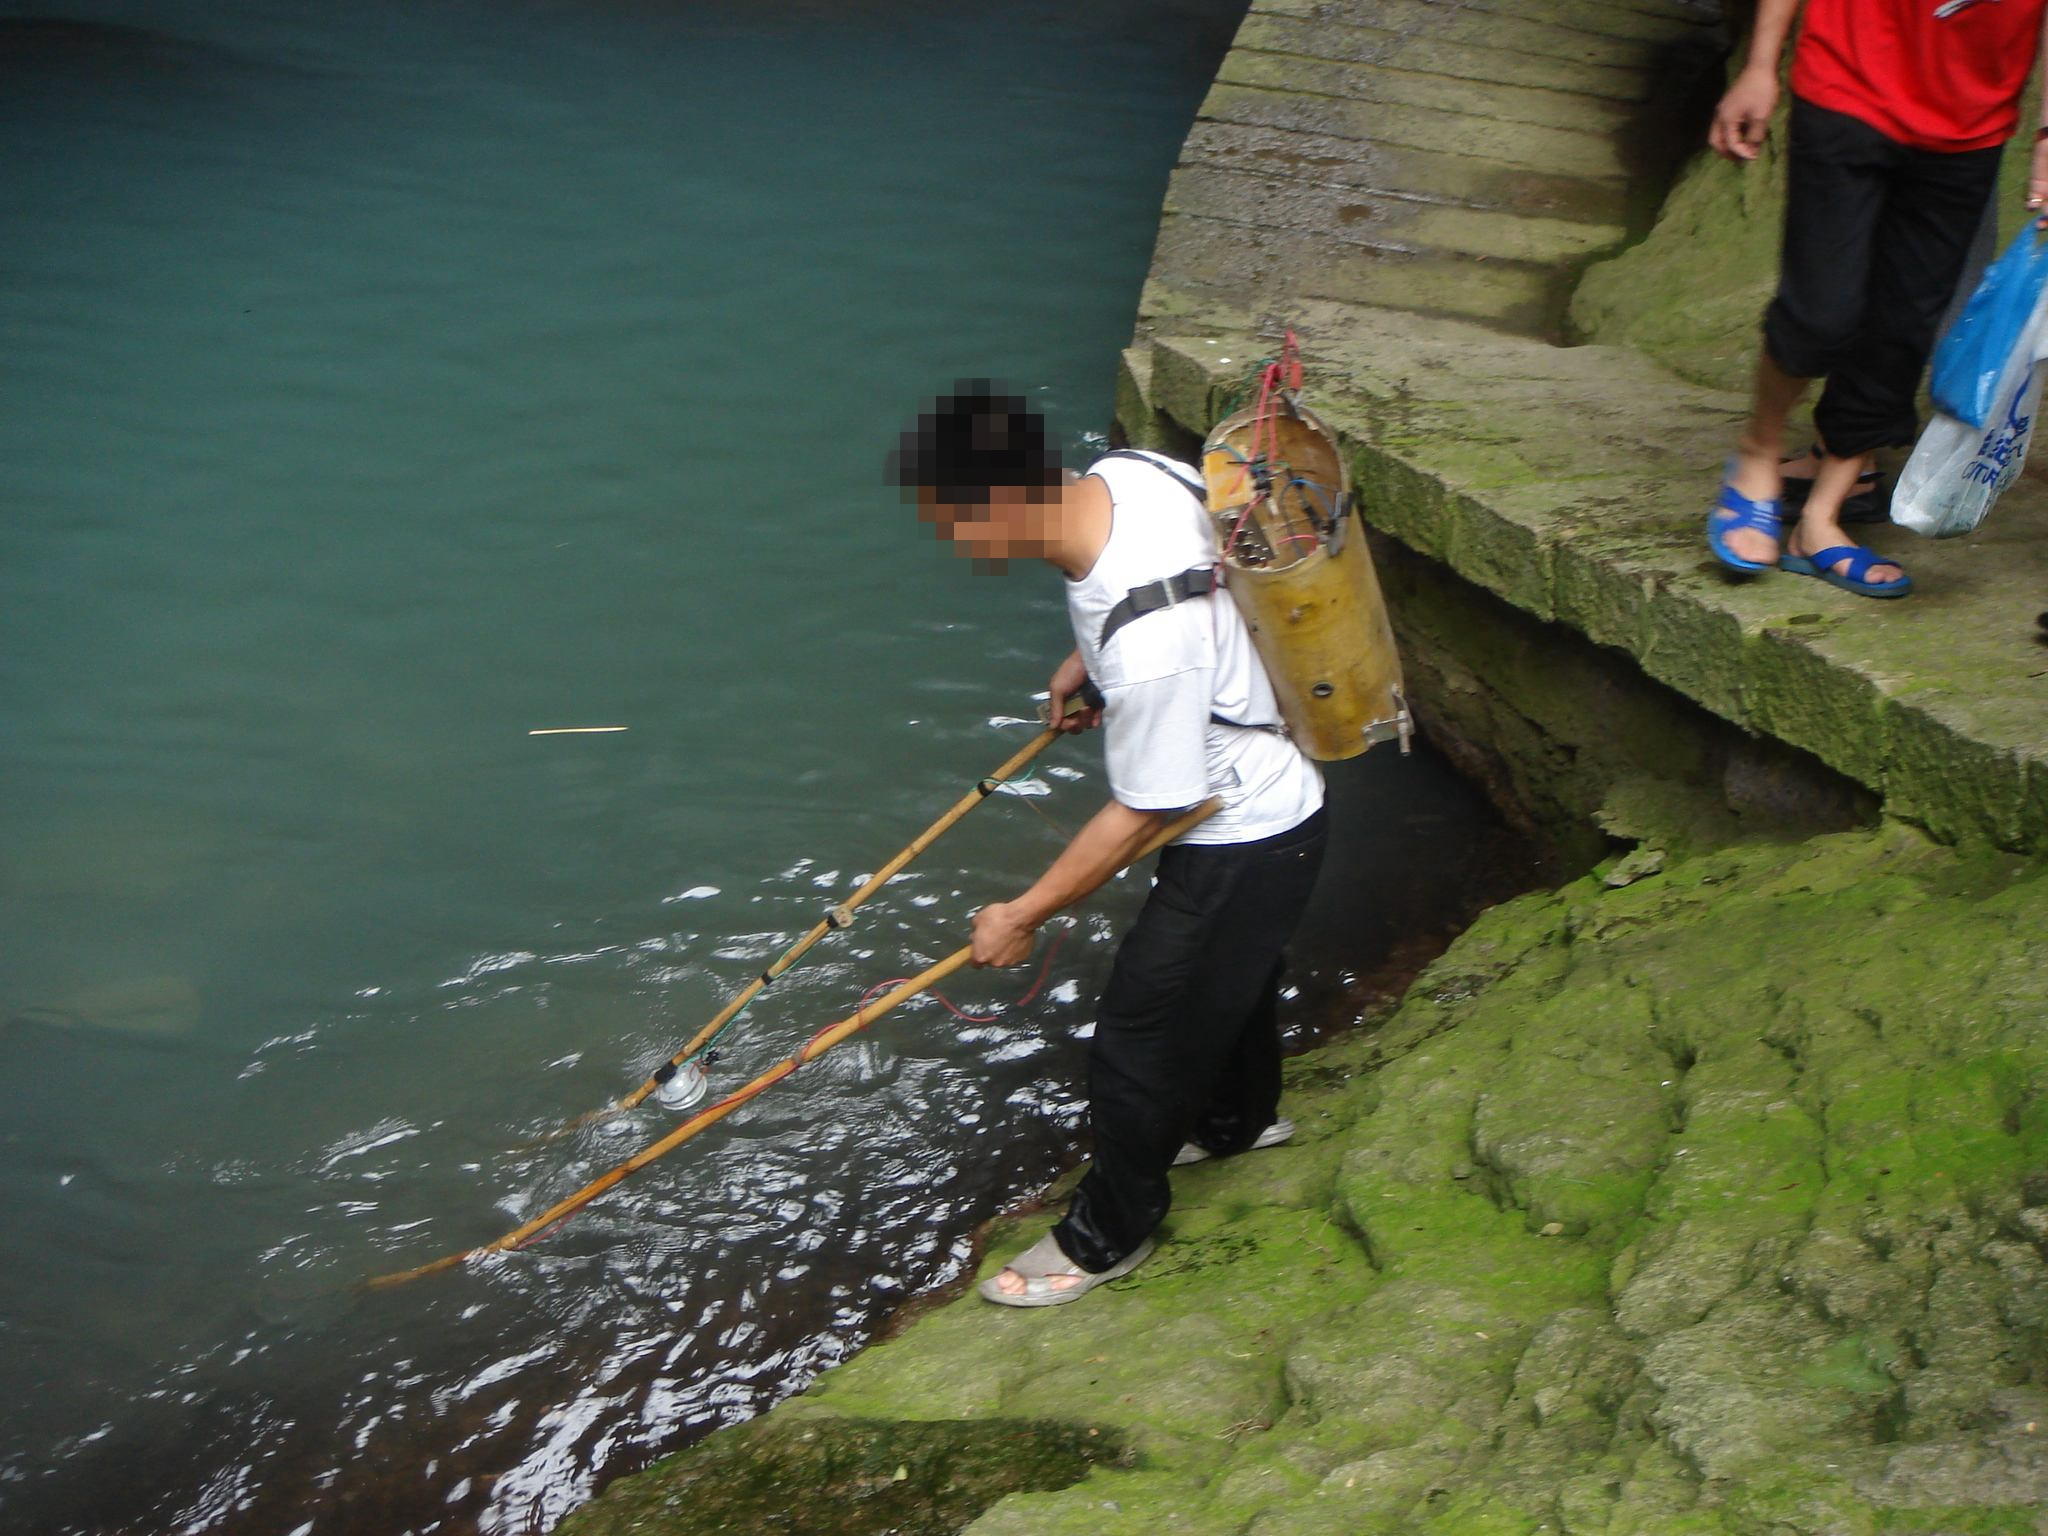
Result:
{"points": [[1156, 595]]}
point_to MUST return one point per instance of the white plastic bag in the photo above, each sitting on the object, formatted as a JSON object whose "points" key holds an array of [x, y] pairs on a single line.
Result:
{"points": [[1958, 470]]}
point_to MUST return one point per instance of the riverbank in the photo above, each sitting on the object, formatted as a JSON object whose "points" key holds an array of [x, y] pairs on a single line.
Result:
{"points": [[1707, 1194], [1778, 1269]]}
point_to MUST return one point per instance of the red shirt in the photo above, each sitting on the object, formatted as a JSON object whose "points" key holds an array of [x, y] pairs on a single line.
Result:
{"points": [[1937, 74]]}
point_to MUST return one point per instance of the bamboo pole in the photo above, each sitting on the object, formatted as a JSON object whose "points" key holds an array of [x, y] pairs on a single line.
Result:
{"points": [[839, 917], [811, 1050]]}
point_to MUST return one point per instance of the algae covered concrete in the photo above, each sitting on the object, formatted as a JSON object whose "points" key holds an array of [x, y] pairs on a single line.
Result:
{"points": [[1572, 482], [1562, 735], [1708, 1194]]}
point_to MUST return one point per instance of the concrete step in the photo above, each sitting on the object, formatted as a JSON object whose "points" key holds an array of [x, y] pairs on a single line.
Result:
{"points": [[1553, 151], [1647, 23], [1389, 223], [1574, 63], [1381, 86], [1449, 178], [1259, 268]]}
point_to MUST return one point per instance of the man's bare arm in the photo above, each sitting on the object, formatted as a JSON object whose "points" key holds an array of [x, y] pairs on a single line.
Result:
{"points": [[1113, 835], [1744, 115], [1070, 681], [2037, 180]]}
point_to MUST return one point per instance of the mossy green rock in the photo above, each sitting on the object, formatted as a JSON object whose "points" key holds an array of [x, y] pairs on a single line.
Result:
{"points": [[1711, 1203], [844, 1477], [1692, 293]]}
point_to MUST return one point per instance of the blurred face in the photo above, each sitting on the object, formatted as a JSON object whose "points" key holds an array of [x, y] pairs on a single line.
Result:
{"points": [[1017, 522]]}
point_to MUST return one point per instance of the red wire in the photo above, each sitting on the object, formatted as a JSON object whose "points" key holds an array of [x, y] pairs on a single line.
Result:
{"points": [[1274, 377], [1283, 374], [973, 1018]]}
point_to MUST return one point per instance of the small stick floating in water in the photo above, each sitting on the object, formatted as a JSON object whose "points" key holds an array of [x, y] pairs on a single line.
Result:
{"points": [[578, 730]]}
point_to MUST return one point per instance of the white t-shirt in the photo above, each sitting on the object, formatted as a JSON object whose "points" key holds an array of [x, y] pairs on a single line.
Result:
{"points": [[1166, 674]]}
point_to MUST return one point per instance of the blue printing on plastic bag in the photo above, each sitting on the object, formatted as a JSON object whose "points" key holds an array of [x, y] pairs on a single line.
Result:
{"points": [[1972, 356]]}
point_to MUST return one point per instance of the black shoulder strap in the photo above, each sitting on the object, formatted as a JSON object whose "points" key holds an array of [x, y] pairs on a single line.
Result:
{"points": [[1187, 483], [1155, 595]]}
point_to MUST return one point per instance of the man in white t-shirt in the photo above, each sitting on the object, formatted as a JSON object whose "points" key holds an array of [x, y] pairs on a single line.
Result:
{"points": [[1185, 1062]]}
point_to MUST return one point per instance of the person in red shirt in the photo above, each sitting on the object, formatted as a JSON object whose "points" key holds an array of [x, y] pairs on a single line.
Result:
{"points": [[1900, 109]]}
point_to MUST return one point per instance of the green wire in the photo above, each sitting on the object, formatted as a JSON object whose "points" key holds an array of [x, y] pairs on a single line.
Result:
{"points": [[1243, 390], [1023, 778]]}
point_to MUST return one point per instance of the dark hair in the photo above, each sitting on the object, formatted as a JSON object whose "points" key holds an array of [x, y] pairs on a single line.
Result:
{"points": [[975, 438]]}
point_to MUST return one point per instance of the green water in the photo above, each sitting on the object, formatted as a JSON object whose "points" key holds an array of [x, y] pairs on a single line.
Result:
{"points": [[382, 384]]}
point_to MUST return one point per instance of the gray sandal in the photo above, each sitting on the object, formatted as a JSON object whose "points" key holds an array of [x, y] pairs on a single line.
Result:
{"points": [[1278, 1133], [1045, 1259]]}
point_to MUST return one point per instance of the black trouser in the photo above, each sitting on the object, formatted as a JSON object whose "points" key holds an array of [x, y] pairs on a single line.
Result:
{"points": [[1186, 1039], [1876, 234]]}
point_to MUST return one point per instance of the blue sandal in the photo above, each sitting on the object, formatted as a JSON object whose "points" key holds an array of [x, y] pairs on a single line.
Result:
{"points": [[1733, 511], [1853, 579]]}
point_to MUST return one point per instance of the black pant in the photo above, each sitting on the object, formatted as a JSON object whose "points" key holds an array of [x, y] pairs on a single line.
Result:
{"points": [[1876, 234], [1186, 1039]]}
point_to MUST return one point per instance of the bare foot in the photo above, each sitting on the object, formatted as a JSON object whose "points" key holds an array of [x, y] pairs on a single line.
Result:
{"points": [[1010, 1283]]}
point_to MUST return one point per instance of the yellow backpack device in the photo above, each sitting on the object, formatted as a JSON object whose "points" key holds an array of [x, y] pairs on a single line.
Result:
{"points": [[1296, 564]]}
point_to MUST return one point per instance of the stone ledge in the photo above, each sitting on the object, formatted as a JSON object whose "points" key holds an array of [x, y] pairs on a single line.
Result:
{"points": [[1653, 21], [1406, 89], [1325, 215], [1209, 256], [1573, 483], [1537, 148], [1424, 174], [1439, 40]]}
